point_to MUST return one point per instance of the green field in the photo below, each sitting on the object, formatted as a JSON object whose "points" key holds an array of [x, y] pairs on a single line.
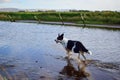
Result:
{"points": [[89, 17]]}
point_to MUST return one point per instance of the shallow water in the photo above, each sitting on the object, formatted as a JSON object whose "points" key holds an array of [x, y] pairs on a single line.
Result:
{"points": [[32, 49]]}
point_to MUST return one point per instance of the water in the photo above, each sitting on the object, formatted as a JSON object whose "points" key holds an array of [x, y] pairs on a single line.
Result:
{"points": [[31, 47]]}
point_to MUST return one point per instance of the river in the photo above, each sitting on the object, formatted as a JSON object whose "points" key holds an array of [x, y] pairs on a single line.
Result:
{"points": [[28, 45]]}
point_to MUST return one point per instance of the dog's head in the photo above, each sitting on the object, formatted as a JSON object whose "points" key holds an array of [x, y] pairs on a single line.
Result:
{"points": [[59, 38]]}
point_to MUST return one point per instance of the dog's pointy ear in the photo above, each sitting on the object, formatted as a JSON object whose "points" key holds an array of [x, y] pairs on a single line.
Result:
{"points": [[62, 34]]}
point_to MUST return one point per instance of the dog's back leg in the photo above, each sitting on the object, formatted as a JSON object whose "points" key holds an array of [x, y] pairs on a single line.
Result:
{"points": [[83, 55], [79, 55]]}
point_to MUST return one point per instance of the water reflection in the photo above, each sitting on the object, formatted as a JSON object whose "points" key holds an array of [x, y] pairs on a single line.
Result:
{"points": [[78, 72]]}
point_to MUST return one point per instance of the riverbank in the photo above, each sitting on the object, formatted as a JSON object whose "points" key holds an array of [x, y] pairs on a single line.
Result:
{"points": [[82, 25], [114, 27], [93, 70], [80, 17]]}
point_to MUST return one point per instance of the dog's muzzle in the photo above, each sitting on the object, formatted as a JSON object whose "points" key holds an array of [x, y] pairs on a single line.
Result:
{"points": [[56, 41]]}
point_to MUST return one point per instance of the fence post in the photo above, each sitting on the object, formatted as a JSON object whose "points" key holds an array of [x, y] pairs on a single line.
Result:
{"points": [[36, 18], [83, 19], [11, 19], [61, 18]]}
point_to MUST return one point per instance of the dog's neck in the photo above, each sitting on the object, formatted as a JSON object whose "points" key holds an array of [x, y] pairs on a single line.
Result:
{"points": [[64, 42]]}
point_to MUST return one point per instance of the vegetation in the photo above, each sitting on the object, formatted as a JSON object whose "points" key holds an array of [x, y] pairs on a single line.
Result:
{"points": [[90, 17]]}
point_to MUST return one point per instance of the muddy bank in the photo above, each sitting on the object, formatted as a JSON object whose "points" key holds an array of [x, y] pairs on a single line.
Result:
{"points": [[84, 25], [73, 24], [89, 70]]}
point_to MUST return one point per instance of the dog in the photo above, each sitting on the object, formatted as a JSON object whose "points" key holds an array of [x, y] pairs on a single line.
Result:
{"points": [[72, 46]]}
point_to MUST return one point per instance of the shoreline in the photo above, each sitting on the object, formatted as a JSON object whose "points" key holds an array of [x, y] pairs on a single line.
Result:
{"points": [[73, 24], [102, 26], [94, 70]]}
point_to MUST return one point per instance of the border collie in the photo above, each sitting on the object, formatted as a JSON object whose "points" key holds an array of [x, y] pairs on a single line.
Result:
{"points": [[72, 46]]}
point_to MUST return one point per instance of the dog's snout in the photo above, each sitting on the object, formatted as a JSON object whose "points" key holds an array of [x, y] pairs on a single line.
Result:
{"points": [[56, 41]]}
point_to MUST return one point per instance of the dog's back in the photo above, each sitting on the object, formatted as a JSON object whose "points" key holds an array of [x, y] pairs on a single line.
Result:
{"points": [[76, 46]]}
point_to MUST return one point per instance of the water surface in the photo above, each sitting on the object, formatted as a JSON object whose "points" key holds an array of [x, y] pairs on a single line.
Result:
{"points": [[32, 49]]}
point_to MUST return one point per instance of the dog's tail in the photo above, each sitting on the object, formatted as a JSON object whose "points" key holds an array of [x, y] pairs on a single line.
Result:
{"points": [[89, 52]]}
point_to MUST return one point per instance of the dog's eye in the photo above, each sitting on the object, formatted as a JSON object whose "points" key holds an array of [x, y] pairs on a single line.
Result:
{"points": [[60, 38]]}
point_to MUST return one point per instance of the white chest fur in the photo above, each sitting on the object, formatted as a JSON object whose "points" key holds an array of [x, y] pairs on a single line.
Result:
{"points": [[64, 42]]}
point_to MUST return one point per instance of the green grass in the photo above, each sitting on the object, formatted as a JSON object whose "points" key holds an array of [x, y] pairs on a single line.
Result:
{"points": [[97, 17]]}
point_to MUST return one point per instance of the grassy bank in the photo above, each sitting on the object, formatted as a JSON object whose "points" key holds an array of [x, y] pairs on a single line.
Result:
{"points": [[89, 17]]}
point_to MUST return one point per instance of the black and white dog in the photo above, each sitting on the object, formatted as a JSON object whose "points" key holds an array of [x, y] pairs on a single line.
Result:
{"points": [[72, 46]]}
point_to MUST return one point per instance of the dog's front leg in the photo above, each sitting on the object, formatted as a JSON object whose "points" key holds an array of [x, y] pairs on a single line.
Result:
{"points": [[68, 54]]}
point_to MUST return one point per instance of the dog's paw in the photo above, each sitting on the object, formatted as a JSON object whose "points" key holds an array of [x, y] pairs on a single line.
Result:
{"points": [[66, 57]]}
